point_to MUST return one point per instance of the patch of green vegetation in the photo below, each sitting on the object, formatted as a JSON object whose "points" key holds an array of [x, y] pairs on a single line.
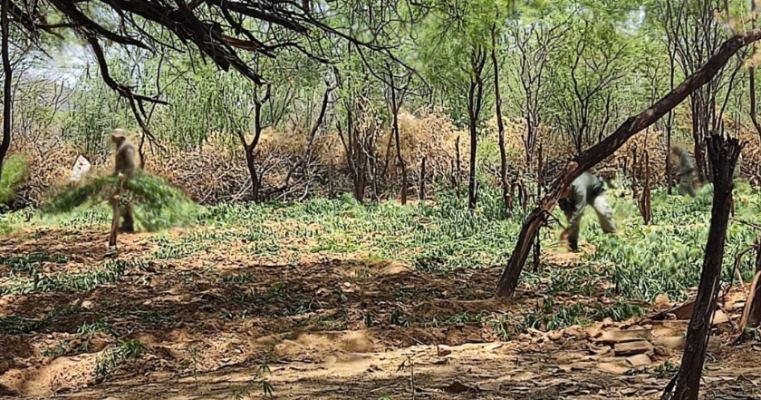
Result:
{"points": [[99, 325], [15, 325], [618, 311], [15, 170], [109, 273], [29, 264], [115, 355], [246, 277], [549, 317], [398, 318], [158, 204], [465, 318]]}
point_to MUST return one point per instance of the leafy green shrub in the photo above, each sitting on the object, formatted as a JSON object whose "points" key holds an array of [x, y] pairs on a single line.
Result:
{"points": [[158, 204], [15, 170]]}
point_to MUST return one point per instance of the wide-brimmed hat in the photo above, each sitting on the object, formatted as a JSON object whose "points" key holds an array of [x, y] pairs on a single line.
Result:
{"points": [[118, 133]]}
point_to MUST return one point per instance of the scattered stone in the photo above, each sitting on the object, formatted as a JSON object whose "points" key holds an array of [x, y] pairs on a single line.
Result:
{"points": [[618, 336], [593, 332], [662, 300], [394, 268], [475, 338], [491, 386], [457, 387], [719, 317], [638, 361], [443, 350], [632, 348], [556, 335], [671, 343]]}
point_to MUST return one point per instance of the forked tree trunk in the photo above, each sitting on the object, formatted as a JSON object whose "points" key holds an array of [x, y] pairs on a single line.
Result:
{"points": [[475, 102], [509, 280], [686, 384]]}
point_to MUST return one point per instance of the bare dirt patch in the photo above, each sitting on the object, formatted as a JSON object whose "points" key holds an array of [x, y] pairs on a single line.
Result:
{"points": [[331, 328]]}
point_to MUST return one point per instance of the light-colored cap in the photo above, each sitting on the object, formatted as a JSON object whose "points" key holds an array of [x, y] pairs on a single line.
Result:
{"points": [[118, 133]]}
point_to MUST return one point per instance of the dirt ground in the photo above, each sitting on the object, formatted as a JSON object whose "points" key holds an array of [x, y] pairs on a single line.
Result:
{"points": [[330, 328]]}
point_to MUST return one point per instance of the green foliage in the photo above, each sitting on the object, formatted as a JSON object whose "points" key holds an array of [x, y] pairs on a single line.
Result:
{"points": [[15, 170], [109, 273], [158, 205], [115, 355]]}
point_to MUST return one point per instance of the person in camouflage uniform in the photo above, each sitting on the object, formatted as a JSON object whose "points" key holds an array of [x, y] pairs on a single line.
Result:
{"points": [[585, 190], [124, 164], [685, 171]]}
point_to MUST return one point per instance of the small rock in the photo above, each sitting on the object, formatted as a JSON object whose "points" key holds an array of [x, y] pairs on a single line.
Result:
{"points": [[662, 300], [492, 386], [475, 338], [556, 335], [719, 317], [443, 350], [632, 348], [640, 360], [593, 332], [671, 342], [457, 387]]}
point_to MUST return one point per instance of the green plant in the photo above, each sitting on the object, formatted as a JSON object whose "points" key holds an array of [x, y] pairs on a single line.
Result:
{"points": [[113, 356], [15, 170], [398, 318], [99, 325], [158, 204], [258, 380]]}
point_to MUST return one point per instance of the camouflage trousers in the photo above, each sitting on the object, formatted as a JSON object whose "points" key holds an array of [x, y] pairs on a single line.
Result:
{"points": [[686, 184], [604, 215]]}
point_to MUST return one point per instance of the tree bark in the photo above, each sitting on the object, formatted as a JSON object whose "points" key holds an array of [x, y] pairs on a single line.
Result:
{"points": [[686, 384], [395, 109], [509, 280], [645, 205], [7, 87], [475, 101], [501, 125], [421, 193], [251, 165]]}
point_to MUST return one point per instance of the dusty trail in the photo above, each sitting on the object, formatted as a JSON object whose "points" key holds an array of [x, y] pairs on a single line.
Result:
{"points": [[333, 328]]}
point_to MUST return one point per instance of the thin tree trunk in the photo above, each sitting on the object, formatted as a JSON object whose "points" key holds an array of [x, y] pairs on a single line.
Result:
{"points": [[644, 202], [686, 384], [472, 178], [458, 171], [7, 87], [537, 238], [509, 280], [501, 124], [251, 165], [421, 193]]}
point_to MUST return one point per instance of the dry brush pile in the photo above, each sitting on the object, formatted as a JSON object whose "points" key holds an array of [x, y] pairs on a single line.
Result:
{"points": [[216, 171]]}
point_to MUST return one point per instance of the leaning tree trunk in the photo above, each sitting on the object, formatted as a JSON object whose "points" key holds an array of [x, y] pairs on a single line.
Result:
{"points": [[251, 165], [686, 384], [7, 88], [509, 280]]}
